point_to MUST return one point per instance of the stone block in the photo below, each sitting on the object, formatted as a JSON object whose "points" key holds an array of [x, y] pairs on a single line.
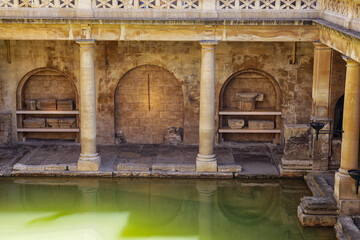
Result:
{"points": [[30, 104], [137, 167], [34, 123], [52, 122], [92, 165], [296, 142], [229, 168], [206, 166], [5, 128], [173, 135], [247, 105], [315, 220], [261, 124], [236, 123], [48, 104], [173, 167], [67, 122], [65, 104]]}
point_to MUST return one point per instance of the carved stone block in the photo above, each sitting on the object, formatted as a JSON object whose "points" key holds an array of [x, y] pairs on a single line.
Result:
{"points": [[34, 123], [48, 104], [247, 105], [173, 135], [261, 124], [64, 104], [30, 104], [236, 123]]}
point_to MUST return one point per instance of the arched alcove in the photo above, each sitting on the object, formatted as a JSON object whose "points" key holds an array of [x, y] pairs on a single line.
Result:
{"points": [[47, 84], [148, 100], [268, 108]]}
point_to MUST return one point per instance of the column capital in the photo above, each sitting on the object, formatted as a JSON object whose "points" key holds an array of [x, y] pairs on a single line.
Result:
{"points": [[321, 46], [85, 42], [208, 43], [350, 62]]}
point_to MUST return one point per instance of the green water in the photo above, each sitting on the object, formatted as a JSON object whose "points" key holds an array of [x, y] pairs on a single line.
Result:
{"points": [[53, 208]]}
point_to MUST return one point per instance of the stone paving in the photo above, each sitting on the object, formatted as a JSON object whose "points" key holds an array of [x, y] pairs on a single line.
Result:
{"points": [[248, 160]]}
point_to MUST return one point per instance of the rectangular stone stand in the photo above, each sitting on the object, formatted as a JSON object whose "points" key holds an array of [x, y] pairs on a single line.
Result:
{"points": [[92, 165], [296, 160], [206, 166], [344, 192]]}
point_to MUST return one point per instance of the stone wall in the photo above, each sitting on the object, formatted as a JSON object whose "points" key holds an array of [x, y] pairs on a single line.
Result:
{"points": [[148, 100], [182, 59]]}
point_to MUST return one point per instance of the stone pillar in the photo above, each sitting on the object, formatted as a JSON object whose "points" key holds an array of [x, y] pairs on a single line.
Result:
{"points": [[344, 192], [89, 159], [320, 105], [206, 160]]}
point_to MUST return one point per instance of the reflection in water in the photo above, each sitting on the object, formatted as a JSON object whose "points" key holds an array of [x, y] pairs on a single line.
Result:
{"points": [[152, 209]]}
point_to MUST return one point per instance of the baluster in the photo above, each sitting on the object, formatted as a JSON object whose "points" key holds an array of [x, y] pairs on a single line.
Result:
{"points": [[257, 4], [237, 4], [179, 4], [136, 4], [277, 4], [157, 4], [114, 4], [16, 3], [56, 3], [36, 4], [298, 4]]}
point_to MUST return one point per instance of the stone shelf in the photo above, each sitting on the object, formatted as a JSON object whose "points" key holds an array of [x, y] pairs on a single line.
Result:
{"points": [[47, 130], [258, 112], [247, 130], [75, 112]]}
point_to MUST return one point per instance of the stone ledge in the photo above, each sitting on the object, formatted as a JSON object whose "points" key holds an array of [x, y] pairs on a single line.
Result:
{"points": [[133, 167], [229, 168], [173, 167], [346, 229], [315, 220]]}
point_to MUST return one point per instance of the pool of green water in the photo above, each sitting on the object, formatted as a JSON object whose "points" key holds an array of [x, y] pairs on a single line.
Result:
{"points": [[54, 208]]}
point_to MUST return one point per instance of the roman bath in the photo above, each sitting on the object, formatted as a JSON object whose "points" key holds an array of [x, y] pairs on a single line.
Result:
{"points": [[179, 119]]}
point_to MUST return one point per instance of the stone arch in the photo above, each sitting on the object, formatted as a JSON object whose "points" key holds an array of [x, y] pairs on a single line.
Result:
{"points": [[46, 83], [67, 90], [148, 99], [251, 80]]}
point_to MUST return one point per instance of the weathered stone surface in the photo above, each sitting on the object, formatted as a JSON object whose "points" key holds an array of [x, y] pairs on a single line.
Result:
{"points": [[120, 137], [34, 123], [173, 167], [52, 122], [46, 104], [346, 228], [261, 124], [5, 128], [315, 220], [319, 205], [173, 135], [204, 166], [229, 168], [64, 104], [247, 105], [67, 122], [137, 167], [236, 123], [89, 166], [297, 140], [30, 104], [335, 154]]}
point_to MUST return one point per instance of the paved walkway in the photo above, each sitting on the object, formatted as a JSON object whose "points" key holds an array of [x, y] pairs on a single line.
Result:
{"points": [[249, 160]]}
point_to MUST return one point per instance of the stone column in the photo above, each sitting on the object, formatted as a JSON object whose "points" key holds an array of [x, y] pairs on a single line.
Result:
{"points": [[206, 160], [344, 192], [89, 159], [320, 104]]}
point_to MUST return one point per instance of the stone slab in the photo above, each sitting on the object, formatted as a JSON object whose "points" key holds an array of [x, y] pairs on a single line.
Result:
{"points": [[236, 123], [133, 167], [315, 220], [173, 167], [261, 124], [229, 168]]}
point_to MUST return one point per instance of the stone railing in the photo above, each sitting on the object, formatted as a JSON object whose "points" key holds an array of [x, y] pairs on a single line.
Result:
{"points": [[350, 8], [38, 3], [268, 4], [148, 4]]}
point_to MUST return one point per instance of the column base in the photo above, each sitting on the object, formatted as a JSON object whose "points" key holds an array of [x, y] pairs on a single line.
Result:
{"points": [[89, 162], [206, 163], [344, 193]]}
